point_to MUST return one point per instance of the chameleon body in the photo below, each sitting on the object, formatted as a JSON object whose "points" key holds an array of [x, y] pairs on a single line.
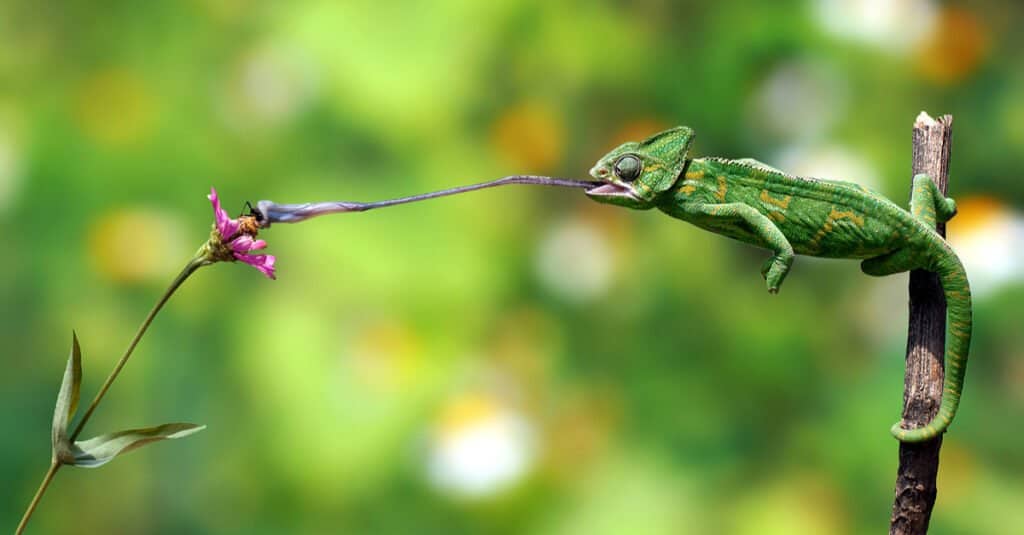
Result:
{"points": [[754, 203]]}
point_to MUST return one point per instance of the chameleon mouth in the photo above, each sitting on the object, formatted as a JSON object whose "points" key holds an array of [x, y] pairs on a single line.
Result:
{"points": [[610, 189]]}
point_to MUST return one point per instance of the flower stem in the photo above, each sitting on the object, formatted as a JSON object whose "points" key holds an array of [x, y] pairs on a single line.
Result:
{"points": [[190, 268], [201, 259], [54, 466]]}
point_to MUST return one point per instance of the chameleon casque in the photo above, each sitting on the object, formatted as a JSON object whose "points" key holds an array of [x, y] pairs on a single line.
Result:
{"points": [[754, 203]]}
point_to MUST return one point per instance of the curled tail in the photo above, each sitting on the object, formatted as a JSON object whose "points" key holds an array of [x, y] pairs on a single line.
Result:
{"points": [[958, 341]]}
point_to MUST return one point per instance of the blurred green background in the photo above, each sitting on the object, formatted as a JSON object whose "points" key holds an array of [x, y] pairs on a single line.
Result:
{"points": [[519, 360]]}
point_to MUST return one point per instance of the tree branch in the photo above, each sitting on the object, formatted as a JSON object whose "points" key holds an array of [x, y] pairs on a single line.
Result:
{"points": [[922, 390]]}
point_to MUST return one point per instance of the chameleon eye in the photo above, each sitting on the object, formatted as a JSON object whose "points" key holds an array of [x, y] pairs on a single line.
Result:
{"points": [[628, 167]]}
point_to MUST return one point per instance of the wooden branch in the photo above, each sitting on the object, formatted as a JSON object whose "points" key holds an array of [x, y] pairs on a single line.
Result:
{"points": [[922, 390]]}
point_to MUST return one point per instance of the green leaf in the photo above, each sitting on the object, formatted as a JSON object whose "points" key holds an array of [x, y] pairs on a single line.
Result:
{"points": [[102, 449], [67, 400]]}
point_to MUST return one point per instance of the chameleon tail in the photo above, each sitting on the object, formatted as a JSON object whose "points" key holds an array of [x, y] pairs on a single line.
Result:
{"points": [[958, 340]]}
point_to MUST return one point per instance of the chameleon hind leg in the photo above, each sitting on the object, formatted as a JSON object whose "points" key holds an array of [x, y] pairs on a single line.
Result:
{"points": [[928, 204], [750, 221], [896, 261]]}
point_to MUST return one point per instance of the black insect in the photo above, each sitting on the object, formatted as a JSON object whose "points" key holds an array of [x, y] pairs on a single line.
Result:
{"points": [[252, 212]]}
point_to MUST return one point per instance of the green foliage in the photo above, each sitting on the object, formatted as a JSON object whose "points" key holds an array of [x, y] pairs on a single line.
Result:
{"points": [[67, 403], [98, 451]]}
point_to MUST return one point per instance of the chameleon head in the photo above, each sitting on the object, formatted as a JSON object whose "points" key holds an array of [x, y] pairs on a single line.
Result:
{"points": [[634, 174]]}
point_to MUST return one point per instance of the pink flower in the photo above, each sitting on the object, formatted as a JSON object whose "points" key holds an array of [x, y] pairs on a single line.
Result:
{"points": [[241, 243]]}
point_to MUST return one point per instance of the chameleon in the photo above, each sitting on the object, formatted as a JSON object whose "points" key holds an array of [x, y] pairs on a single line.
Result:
{"points": [[752, 202]]}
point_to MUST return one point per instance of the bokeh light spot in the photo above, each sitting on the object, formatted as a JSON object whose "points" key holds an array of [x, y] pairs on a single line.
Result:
{"points": [[833, 162], [531, 135], [989, 238], [807, 505], [893, 25], [955, 48], [114, 107], [575, 261], [800, 99], [480, 447], [638, 129], [384, 355], [271, 86], [136, 245]]}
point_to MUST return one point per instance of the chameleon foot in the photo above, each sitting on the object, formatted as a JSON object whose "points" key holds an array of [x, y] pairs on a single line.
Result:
{"points": [[927, 197], [949, 209], [775, 270]]}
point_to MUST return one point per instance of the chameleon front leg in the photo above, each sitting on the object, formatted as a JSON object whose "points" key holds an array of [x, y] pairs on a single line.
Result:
{"points": [[753, 222]]}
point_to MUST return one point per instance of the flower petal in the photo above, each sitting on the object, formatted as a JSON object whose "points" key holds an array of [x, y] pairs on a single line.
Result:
{"points": [[225, 225], [262, 262], [241, 244], [245, 243]]}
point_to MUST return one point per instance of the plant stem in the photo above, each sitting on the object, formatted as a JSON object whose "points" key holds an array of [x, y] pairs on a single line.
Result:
{"points": [[54, 466], [190, 268], [199, 261]]}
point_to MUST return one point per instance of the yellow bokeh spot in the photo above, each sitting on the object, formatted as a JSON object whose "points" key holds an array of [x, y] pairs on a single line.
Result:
{"points": [[531, 135], [136, 246], [385, 355], [801, 505], [466, 411], [976, 214], [958, 474], [955, 48], [114, 107], [638, 130]]}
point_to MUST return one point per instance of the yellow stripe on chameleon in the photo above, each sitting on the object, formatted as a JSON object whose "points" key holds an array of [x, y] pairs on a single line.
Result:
{"points": [[723, 187], [857, 220], [784, 203], [834, 217]]}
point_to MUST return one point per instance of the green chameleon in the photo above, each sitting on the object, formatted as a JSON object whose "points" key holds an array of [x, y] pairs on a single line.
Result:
{"points": [[754, 203]]}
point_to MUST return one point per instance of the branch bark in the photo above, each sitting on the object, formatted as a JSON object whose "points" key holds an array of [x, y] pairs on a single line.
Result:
{"points": [[922, 387]]}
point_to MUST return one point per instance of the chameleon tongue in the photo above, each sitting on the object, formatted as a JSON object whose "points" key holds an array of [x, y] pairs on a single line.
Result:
{"points": [[271, 212], [607, 189]]}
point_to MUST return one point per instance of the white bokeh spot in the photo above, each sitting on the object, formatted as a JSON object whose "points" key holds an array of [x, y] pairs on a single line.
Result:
{"points": [[800, 99], [830, 162], [992, 252], [482, 457], [271, 86], [575, 261], [893, 25]]}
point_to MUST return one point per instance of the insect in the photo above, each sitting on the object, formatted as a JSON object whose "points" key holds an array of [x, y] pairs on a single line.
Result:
{"points": [[249, 222]]}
